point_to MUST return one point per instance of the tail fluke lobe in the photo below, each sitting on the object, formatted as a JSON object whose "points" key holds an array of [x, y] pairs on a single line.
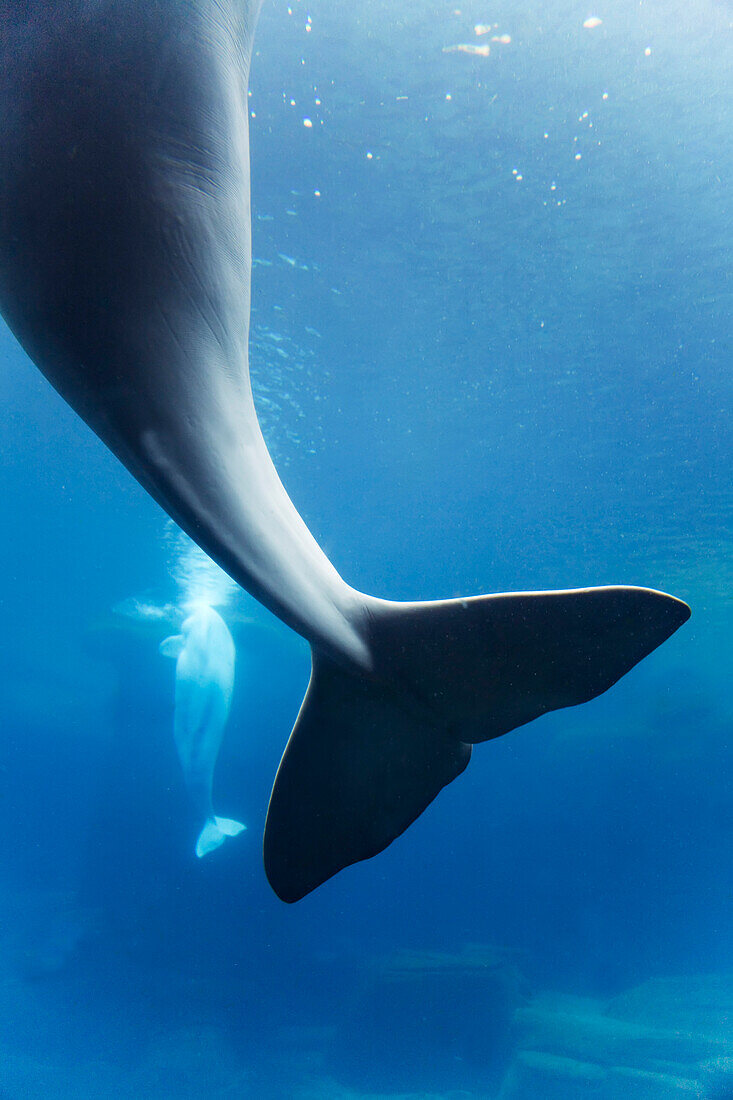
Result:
{"points": [[488, 664], [361, 764], [369, 752], [215, 832]]}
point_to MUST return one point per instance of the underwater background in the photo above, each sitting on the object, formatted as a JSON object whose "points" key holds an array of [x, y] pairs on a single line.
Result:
{"points": [[491, 350]]}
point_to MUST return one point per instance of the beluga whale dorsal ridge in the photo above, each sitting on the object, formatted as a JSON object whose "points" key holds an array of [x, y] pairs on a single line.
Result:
{"points": [[125, 266], [204, 654]]}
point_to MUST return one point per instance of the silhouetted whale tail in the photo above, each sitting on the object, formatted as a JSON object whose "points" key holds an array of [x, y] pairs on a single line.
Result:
{"points": [[369, 752], [215, 832]]}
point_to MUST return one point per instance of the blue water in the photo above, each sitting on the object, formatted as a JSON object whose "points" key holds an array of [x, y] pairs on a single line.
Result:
{"points": [[491, 349]]}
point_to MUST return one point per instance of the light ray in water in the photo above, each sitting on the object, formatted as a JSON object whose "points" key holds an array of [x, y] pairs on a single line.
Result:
{"points": [[199, 580]]}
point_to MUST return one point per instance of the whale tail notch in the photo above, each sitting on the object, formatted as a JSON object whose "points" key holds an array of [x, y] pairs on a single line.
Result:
{"points": [[215, 832], [368, 753]]}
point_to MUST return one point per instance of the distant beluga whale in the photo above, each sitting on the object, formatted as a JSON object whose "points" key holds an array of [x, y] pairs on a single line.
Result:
{"points": [[125, 274], [204, 655]]}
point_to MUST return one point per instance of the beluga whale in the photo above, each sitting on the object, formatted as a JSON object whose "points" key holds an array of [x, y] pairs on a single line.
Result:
{"points": [[205, 655], [125, 266]]}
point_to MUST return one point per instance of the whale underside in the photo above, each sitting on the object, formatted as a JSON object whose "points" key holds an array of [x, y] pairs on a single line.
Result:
{"points": [[125, 267]]}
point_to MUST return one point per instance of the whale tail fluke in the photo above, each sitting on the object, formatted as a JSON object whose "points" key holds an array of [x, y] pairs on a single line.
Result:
{"points": [[215, 832], [369, 752]]}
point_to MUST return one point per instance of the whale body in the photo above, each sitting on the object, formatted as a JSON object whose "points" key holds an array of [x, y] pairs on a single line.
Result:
{"points": [[204, 654], [125, 274]]}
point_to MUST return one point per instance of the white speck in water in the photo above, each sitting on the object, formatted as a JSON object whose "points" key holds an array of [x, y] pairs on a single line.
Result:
{"points": [[468, 47]]}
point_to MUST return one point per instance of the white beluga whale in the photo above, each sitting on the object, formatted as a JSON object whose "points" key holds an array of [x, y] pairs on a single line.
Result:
{"points": [[125, 267], [204, 654]]}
